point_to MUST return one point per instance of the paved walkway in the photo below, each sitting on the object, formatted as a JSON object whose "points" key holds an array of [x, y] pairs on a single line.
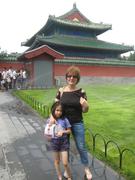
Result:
{"points": [[24, 153]]}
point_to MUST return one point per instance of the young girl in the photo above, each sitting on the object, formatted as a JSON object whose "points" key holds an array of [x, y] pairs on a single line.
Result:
{"points": [[60, 141]]}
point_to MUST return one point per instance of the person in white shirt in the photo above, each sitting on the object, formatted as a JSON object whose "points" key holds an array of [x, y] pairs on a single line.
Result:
{"points": [[24, 77], [4, 78], [14, 79], [10, 77]]}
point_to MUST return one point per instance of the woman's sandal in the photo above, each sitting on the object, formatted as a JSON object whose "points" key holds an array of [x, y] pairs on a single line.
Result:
{"points": [[88, 175]]}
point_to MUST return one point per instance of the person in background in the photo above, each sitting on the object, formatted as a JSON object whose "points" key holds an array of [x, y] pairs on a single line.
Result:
{"points": [[60, 141], [0, 78], [19, 80], [4, 79], [10, 77], [14, 79], [74, 101], [24, 78]]}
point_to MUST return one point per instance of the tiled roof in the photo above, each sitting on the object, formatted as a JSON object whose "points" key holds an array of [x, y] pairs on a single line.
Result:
{"points": [[99, 28], [41, 50], [90, 43], [88, 25], [90, 61]]}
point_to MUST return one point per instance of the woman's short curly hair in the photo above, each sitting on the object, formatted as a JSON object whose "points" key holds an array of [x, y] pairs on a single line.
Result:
{"points": [[73, 70]]}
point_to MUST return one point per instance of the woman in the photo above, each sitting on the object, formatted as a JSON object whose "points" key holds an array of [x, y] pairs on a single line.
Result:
{"points": [[74, 101]]}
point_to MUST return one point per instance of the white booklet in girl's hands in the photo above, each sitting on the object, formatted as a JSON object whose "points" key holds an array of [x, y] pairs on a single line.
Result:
{"points": [[49, 130]]}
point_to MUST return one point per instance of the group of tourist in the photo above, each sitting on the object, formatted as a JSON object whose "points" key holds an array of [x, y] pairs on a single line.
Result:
{"points": [[12, 79], [66, 117]]}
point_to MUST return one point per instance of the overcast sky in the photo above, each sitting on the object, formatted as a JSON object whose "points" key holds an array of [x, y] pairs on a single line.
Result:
{"points": [[21, 19]]}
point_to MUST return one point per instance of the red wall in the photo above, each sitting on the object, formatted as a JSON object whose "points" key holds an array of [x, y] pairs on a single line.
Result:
{"points": [[14, 65], [98, 71]]}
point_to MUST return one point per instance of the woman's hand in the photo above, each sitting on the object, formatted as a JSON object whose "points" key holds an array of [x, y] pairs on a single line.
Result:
{"points": [[82, 100], [84, 104]]}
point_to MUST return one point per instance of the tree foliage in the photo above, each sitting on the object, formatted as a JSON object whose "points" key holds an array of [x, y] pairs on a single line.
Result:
{"points": [[3, 53], [132, 56]]}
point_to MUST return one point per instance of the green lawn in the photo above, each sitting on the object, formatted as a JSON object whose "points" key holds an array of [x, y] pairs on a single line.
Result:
{"points": [[111, 114]]}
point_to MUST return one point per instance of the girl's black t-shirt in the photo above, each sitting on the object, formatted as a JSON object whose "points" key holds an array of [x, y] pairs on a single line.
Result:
{"points": [[71, 103]]}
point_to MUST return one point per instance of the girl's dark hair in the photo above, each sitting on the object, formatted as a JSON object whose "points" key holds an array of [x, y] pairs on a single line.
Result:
{"points": [[53, 108]]}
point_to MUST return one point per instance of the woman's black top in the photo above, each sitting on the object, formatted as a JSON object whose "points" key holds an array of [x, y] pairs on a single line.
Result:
{"points": [[71, 104]]}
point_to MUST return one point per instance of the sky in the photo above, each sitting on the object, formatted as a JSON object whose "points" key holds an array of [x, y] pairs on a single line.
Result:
{"points": [[21, 19]]}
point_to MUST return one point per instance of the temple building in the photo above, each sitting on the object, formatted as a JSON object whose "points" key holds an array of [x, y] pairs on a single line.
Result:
{"points": [[72, 39], [73, 35]]}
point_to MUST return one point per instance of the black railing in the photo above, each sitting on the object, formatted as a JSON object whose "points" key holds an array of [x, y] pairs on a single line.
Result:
{"points": [[121, 152], [41, 108]]}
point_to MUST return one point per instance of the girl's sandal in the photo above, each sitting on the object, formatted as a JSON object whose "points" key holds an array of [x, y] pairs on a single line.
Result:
{"points": [[59, 178], [67, 178], [65, 175]]}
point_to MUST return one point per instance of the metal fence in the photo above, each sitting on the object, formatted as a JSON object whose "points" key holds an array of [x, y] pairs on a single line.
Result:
{"points": [[121, 152], [41, 108]]}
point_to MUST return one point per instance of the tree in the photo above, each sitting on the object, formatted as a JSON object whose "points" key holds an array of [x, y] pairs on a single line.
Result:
{"points": [[3, 53], [132, 56]]}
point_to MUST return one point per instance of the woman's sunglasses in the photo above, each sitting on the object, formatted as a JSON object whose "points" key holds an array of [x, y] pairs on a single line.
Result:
{"points": [[72, 76]]}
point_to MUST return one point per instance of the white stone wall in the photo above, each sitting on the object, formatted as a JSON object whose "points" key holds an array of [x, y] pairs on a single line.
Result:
{"points": [[60, 80]]}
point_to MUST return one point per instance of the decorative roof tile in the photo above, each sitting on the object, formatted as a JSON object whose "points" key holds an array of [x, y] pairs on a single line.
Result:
{"points": [[90, 61], [88, 25]]}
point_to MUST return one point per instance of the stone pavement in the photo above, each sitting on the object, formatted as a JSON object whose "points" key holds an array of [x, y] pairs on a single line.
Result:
{"points": [[24, 153]]}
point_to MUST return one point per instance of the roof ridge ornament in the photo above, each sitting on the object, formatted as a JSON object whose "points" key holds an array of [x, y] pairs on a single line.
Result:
{"points": [[74, 6]]}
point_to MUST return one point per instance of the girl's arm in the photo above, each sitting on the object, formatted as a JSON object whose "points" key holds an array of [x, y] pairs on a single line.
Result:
{"points": [[51, 120], [67, 131]]}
